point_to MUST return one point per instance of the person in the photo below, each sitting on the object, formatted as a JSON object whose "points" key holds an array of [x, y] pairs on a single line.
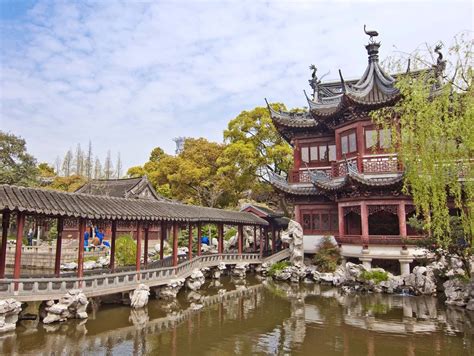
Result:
{"points": [[86, 240], [205, 240], [30, 237]]}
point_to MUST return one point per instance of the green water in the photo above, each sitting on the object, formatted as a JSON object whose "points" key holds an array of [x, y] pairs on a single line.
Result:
{"points": [[259, 318]]}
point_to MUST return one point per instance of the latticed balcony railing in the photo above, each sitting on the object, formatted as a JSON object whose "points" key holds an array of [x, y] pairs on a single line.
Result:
{"points": [[394, 240], [370, 164]]}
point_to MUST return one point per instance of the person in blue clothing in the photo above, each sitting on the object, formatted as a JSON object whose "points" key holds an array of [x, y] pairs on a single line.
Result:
{"points": [[205, 240], [86, 241]]}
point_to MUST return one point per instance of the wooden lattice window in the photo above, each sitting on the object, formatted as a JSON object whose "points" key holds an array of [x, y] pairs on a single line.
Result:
{"points": [[348, 142]]}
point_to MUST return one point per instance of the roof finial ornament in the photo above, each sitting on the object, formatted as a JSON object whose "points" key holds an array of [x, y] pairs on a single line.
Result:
{"points": [[440, 62], [314, 81], [372, 34]]}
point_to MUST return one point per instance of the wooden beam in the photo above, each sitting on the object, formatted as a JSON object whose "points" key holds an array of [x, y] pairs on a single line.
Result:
{"points": [[20, 225], [80, 253], [220, 238], [175, 243], [240, 238], [112, 245], [199, 227], [163, 231], [59, 242], [139, 247], [145, 250], [190, 241], [255, 238], [3, 250]]}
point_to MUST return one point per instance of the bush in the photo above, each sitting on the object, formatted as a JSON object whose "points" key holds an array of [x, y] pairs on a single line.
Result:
{"points": [[374, 275], [277, 267], [53, 233], [125, 250], [328, 256], [231, 232]]}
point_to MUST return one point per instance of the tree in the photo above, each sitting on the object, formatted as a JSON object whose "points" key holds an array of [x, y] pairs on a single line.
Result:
{"points": [[433, 134], [108, 167], [45, 170], [79, 161], [67, 164], [57, 165], [88, 164], [253, 148], [97, 169], [67, 184], [118, 168], [17, 166]]}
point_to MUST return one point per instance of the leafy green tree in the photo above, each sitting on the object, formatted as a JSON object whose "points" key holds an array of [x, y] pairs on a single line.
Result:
{"points": [[434, 137], [45, 170], [67, 184], [17, 166]]}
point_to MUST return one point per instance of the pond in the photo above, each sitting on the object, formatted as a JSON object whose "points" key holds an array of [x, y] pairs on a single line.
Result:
{"points": [[262, 318]]}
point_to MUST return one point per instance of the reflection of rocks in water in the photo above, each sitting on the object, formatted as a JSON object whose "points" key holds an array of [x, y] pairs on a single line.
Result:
{"points": [[238, 281], [139, 317], [193, 297], [169, 306], [295, 325], [215, 284]]}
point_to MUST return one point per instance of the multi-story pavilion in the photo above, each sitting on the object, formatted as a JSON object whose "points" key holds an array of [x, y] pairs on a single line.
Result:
{"points": [[345, 182]]}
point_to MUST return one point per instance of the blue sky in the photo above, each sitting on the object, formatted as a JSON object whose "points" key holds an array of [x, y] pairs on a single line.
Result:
{"points": [[132, 75]]}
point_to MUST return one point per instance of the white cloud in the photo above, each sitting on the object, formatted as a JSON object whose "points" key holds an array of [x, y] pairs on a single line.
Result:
{"points": [[131, 76]]}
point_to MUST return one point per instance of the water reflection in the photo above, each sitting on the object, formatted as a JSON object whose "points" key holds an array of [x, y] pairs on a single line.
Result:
{"points": [[258, 318]]}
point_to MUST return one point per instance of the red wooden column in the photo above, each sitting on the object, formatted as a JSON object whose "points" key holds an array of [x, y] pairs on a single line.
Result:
{"points": [[402, 223], [139, 246], [340, 217], [145, 252], [261, 242], [112, 246], [3, 250], [80, 252], [273, 239], [199, 238], [175, 244], [59, 242], [255, 239], [364, 219], [240, 237], [20, 224], [190, 241], [164, 228], [220, 238]]}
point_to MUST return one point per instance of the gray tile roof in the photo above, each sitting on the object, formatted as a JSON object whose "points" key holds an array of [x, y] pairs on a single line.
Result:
{"points": [[54, 203]]}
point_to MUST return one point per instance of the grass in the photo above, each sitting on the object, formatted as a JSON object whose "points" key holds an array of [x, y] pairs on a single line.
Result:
{"points": [[277, 267], [375, 276]]}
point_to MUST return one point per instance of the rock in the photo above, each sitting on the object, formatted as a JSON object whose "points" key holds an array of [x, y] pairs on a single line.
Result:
{"points": [[72, 305], [470, 303], [70, 266], [88, 265], [139, 297], [239, 270], [457, 292], [294, 237], [214, 242], [183, 250], [103, 261], [9, 311], [326, 278], [216, 272], [421, 281], [169, 291], [195, 280]]}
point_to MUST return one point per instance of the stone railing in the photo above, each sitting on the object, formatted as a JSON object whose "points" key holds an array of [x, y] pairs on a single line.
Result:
{"points": [[37, 289], [394, 240]]}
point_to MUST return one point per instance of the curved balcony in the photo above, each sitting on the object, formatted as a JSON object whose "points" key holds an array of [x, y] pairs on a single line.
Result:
{"points": [[392, 240]]}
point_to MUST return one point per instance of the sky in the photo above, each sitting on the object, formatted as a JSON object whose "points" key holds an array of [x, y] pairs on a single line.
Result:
{"points": [[130, 76]]}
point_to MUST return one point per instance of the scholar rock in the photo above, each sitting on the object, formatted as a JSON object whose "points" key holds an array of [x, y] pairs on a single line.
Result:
{"points": [[9, 310], [169, 291], [72, 305], [139, 297], [195, 280]]}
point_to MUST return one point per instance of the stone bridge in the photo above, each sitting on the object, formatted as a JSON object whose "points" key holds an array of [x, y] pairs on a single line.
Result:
{"points": [[39, 289]]}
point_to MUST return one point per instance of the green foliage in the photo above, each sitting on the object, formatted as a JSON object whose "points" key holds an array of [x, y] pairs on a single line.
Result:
{"points": [[53, 233], [17, 166], [231, 232], [125, 250], [328, 257], [91, 258], [376, 276], [433, 136], [67, 184], [45, 170], [277, 267]]}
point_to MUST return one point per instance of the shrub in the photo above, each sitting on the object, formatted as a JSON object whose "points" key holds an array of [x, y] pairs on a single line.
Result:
{"points": [[277, 267], [328, 256], [374, 275], [125, 250], [231, 232]]}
